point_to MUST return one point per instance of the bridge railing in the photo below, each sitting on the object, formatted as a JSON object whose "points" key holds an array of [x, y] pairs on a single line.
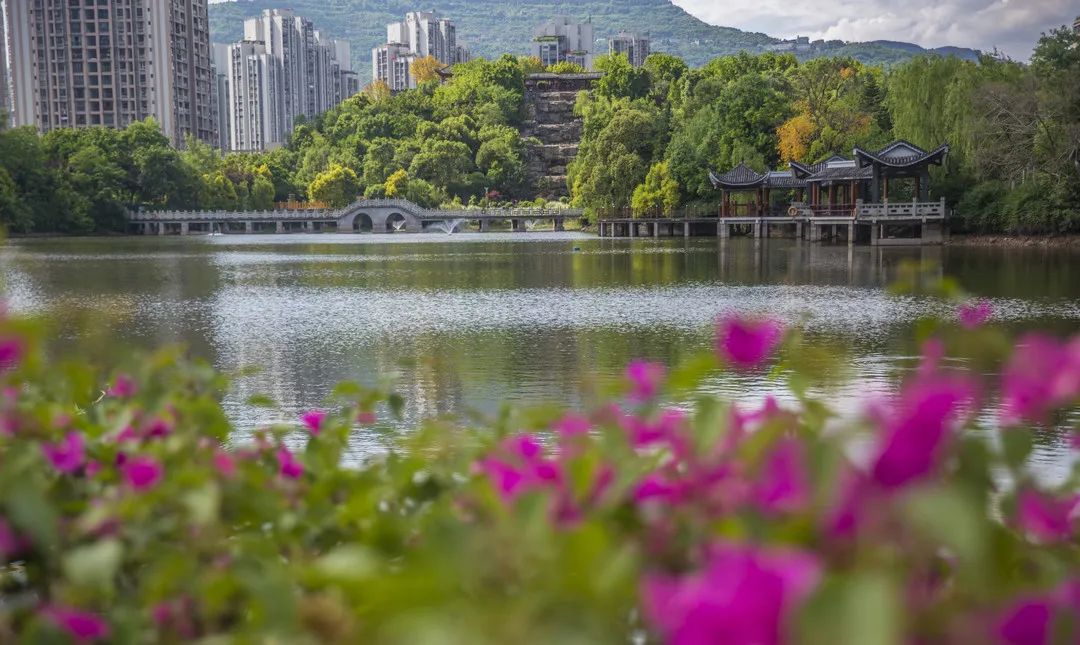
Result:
{"points": [[333, 214]]}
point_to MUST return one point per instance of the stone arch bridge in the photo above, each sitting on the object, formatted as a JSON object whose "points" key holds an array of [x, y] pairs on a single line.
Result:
{"points": [[374, 215]]}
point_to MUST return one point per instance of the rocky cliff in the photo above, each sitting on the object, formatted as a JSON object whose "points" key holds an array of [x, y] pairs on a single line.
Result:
{"points": [[553, 129]]}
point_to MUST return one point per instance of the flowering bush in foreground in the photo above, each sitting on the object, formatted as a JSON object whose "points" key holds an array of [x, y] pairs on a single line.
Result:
{"points": [[129, 512]]}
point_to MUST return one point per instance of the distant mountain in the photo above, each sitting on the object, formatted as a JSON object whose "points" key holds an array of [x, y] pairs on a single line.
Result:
{"points": [[493, 27]]}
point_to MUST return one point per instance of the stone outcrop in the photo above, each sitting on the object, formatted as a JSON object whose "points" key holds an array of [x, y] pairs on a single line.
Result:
{"points": [[553, 129]]}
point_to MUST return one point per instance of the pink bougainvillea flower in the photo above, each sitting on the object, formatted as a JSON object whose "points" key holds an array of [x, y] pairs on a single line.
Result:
{"points": [[1042, 375], [82, 626], [122, 388], [784, 483], [918, 428], [572, 425], [10, 542], [1045, 518], [158, 429], [1026, 623], [92, 469], [645, 379], [12, 351], [68, 455], [743, 596], [142, 473], [127, 433], [366, 418], [656, 487], [975, 314], [288, 465], [747, 343], [224, 464], [646, 432], [313, 421], [518, 466]]}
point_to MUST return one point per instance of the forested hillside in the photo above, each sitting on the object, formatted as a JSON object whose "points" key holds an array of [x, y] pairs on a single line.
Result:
{"points": [[493, 27]]}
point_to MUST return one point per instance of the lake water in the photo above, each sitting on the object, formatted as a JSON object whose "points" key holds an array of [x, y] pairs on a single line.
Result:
{"points": [[466, 321]]}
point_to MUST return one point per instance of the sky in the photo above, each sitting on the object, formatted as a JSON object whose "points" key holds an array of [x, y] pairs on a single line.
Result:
{"points": [[1012, 26]]}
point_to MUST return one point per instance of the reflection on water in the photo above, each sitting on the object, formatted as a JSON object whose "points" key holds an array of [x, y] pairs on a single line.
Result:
{"points": [[469, 320]]}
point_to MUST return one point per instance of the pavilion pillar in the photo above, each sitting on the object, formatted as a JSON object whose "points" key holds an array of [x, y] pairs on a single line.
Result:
{"points": [[875, 185], [885, 195]]}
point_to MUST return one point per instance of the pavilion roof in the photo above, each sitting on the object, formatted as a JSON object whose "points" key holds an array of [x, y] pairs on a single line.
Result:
{"points": [[742, 177], [834, 169], [901, 154]]}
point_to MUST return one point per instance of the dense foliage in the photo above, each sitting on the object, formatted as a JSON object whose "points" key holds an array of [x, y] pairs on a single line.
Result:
{"points": [[1014, 128], [130, 510], [490, 28]]}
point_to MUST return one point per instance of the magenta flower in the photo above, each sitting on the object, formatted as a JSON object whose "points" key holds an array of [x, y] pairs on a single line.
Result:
{"points": [[82, 626], [645, 433], [224, 464], [313, 420], [11, 352], [127, 433], [288, 466], [572, 425], [975, 314], [746, 343], [784, 485], [142, 473], [1027, 623], [68, 455], [366, 418], [158, 429], [918, 429], [122, 388], [10, 542], [1042, 375], [743, 596], [519, 466], [92, 469], [656, 487], [1045, 518], [645, 379]]}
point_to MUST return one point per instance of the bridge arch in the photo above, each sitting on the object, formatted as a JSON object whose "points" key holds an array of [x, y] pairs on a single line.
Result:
{"points": [[396, 222], [362, 223]]}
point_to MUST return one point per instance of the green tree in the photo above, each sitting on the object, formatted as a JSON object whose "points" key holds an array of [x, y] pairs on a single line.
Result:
{"points": [[337, 186], [621, 79], [262, 193], [659, 194]]}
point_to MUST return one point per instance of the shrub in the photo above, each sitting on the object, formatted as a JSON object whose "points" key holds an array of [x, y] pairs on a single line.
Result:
{"points": [[139, 514]]}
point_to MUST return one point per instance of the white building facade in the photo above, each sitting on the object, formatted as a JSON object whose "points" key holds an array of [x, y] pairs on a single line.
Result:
{"points": [[109, 63], [282, 70], [562, 41], [421, 34]]}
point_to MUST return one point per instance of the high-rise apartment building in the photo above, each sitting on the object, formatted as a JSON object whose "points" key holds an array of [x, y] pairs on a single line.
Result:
{"points": [[5, 77], [222, 65], [422, 33], [562, 41], [283, 69], [1076, 25], [635, 47], [77, 63]]}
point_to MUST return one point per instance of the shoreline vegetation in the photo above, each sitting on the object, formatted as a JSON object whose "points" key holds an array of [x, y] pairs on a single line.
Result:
{"points": [[649, 137]]}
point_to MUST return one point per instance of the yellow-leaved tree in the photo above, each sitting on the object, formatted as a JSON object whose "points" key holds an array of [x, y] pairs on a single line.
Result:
{"points": [[425, 69]]}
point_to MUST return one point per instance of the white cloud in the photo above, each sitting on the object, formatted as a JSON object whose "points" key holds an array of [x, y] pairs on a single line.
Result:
{"points": [[1012, 26]]}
